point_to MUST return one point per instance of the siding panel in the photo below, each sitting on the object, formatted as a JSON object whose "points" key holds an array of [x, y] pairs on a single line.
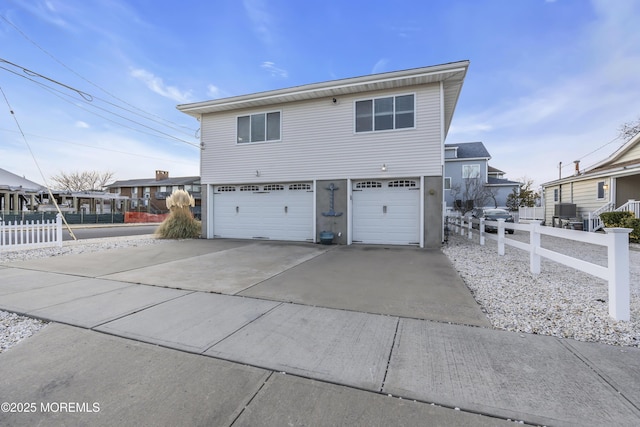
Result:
{"points": [[318, 142]]}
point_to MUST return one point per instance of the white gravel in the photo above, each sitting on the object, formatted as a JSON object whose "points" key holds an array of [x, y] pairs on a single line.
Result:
{"points": [[560, 301]]}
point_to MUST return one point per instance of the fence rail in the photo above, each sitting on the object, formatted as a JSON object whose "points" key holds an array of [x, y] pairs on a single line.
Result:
{"points": [[616, 240], [30, 234]]}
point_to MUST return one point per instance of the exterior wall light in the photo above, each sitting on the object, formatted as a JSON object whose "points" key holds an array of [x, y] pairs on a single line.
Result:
{"points": [[384, 167]]}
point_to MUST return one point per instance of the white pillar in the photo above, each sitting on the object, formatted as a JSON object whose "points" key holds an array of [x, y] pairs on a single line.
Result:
{"points": [[618, 259]]}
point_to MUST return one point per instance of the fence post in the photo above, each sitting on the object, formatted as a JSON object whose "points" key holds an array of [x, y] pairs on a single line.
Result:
{"points": [[534, 244], [481, 229], [469, 226], [501, 236], [59, 230], [618, 263]]}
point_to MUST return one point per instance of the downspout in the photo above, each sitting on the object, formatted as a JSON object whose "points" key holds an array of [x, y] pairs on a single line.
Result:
{"points": [[443, 205]]}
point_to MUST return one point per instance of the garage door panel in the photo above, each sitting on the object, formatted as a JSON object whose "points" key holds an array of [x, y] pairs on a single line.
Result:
{"points": [[386, 212], [273, 211]]}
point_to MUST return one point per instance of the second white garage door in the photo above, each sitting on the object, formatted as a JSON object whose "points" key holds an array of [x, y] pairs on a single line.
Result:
{"points": [[386, 212], [265, 211]]}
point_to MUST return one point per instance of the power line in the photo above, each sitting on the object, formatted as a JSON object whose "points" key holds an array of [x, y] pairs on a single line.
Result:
{"points": [[24, 138], [98, 148], [87, 99], [594, 151], [144, 114]]}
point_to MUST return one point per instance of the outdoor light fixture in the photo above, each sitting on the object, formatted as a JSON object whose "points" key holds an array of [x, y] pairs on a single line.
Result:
{"points": [[257, 173], [605, 187], [384, 167]]}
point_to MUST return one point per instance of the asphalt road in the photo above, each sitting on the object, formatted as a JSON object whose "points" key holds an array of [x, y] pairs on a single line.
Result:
{"points": [[110, 231]]}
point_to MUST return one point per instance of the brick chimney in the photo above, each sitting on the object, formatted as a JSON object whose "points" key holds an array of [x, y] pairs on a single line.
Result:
{"points": [[577, 171], [160, 175]]}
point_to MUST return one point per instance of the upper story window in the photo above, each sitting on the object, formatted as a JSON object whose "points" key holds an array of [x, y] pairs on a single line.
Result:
{"points": [[447, 183], [556, 195], [259, 127], [470, 171], [394, 112]]}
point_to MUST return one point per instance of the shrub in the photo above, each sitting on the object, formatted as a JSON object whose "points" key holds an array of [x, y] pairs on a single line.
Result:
{"points": [[616, 219], [633, 223], [180, 224]]}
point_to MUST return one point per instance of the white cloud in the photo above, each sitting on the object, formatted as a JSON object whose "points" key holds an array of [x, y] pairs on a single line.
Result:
{"points": [[213, 91], [82, 125], [380, 66], [261, 19], [273, 70], [157, 85]]}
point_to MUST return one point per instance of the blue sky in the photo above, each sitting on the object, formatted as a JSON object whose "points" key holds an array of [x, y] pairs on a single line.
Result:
{"points": [[549, 81]]}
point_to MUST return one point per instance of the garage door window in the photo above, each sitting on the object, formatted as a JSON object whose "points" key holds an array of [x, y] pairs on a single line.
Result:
{"points": [[274, 187], [226, 189], [369, 184], [403, 183], [305, 187], [249, 188]]}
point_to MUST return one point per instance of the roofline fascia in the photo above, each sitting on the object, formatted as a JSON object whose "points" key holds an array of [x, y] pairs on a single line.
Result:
{"points": [[623, 170], [454, 67], [616, 154], [461, 159]]}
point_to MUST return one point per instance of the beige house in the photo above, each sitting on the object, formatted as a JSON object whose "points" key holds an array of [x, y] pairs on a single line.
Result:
{"points": [[609, 185]]}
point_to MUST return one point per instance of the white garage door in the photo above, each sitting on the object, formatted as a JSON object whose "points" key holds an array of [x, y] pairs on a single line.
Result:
{"points": [[386, 212], [265, 211]]}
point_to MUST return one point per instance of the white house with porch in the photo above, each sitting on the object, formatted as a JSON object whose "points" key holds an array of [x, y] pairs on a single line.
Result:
{"points": [[612, 184]]}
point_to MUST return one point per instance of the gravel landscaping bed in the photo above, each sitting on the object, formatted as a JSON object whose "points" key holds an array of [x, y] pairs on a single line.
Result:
{"points": [[560, 301]]}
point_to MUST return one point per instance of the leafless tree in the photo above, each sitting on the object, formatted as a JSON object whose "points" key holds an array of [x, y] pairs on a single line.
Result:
{"points": [[472, 193], [82, 181], [630, 129]]}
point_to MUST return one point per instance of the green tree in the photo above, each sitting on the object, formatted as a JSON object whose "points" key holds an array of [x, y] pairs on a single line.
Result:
{"points": [[525, 195]]}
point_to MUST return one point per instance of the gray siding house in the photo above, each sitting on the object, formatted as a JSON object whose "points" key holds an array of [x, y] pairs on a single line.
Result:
{"points": [[467, 165], [361, 158]]}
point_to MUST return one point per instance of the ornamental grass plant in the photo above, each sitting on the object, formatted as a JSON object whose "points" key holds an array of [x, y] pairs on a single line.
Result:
{"points": [[180, 224]]}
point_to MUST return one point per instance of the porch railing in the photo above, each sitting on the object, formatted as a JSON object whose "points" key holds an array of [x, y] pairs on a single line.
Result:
{"points": [[595, 223], [632, 206], [531, 213]]}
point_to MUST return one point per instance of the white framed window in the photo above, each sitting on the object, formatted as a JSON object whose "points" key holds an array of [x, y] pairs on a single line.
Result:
{"points": [[556, 195], [470, 171], [388, 113], [260, 127], [447, 183], [601, 190]]}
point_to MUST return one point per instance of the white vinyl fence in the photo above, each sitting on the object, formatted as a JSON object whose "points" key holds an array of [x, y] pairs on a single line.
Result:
{"points": [[616, 240], [30, 234]]}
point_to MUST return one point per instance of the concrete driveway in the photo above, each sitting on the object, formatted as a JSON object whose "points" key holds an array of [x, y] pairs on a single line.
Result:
{"points": [[318, 335], [399, 281]]}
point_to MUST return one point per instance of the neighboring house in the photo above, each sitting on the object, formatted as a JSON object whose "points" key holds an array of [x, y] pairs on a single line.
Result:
{"points": [[469, 179], [18, 194], [150, 194], [361, 158], [606, 186]]}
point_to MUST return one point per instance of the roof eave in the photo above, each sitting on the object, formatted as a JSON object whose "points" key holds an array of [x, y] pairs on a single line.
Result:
{"points": [[455, 71]]}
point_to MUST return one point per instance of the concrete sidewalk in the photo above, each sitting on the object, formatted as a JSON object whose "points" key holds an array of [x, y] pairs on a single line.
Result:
{"points": [[351, 326]]}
